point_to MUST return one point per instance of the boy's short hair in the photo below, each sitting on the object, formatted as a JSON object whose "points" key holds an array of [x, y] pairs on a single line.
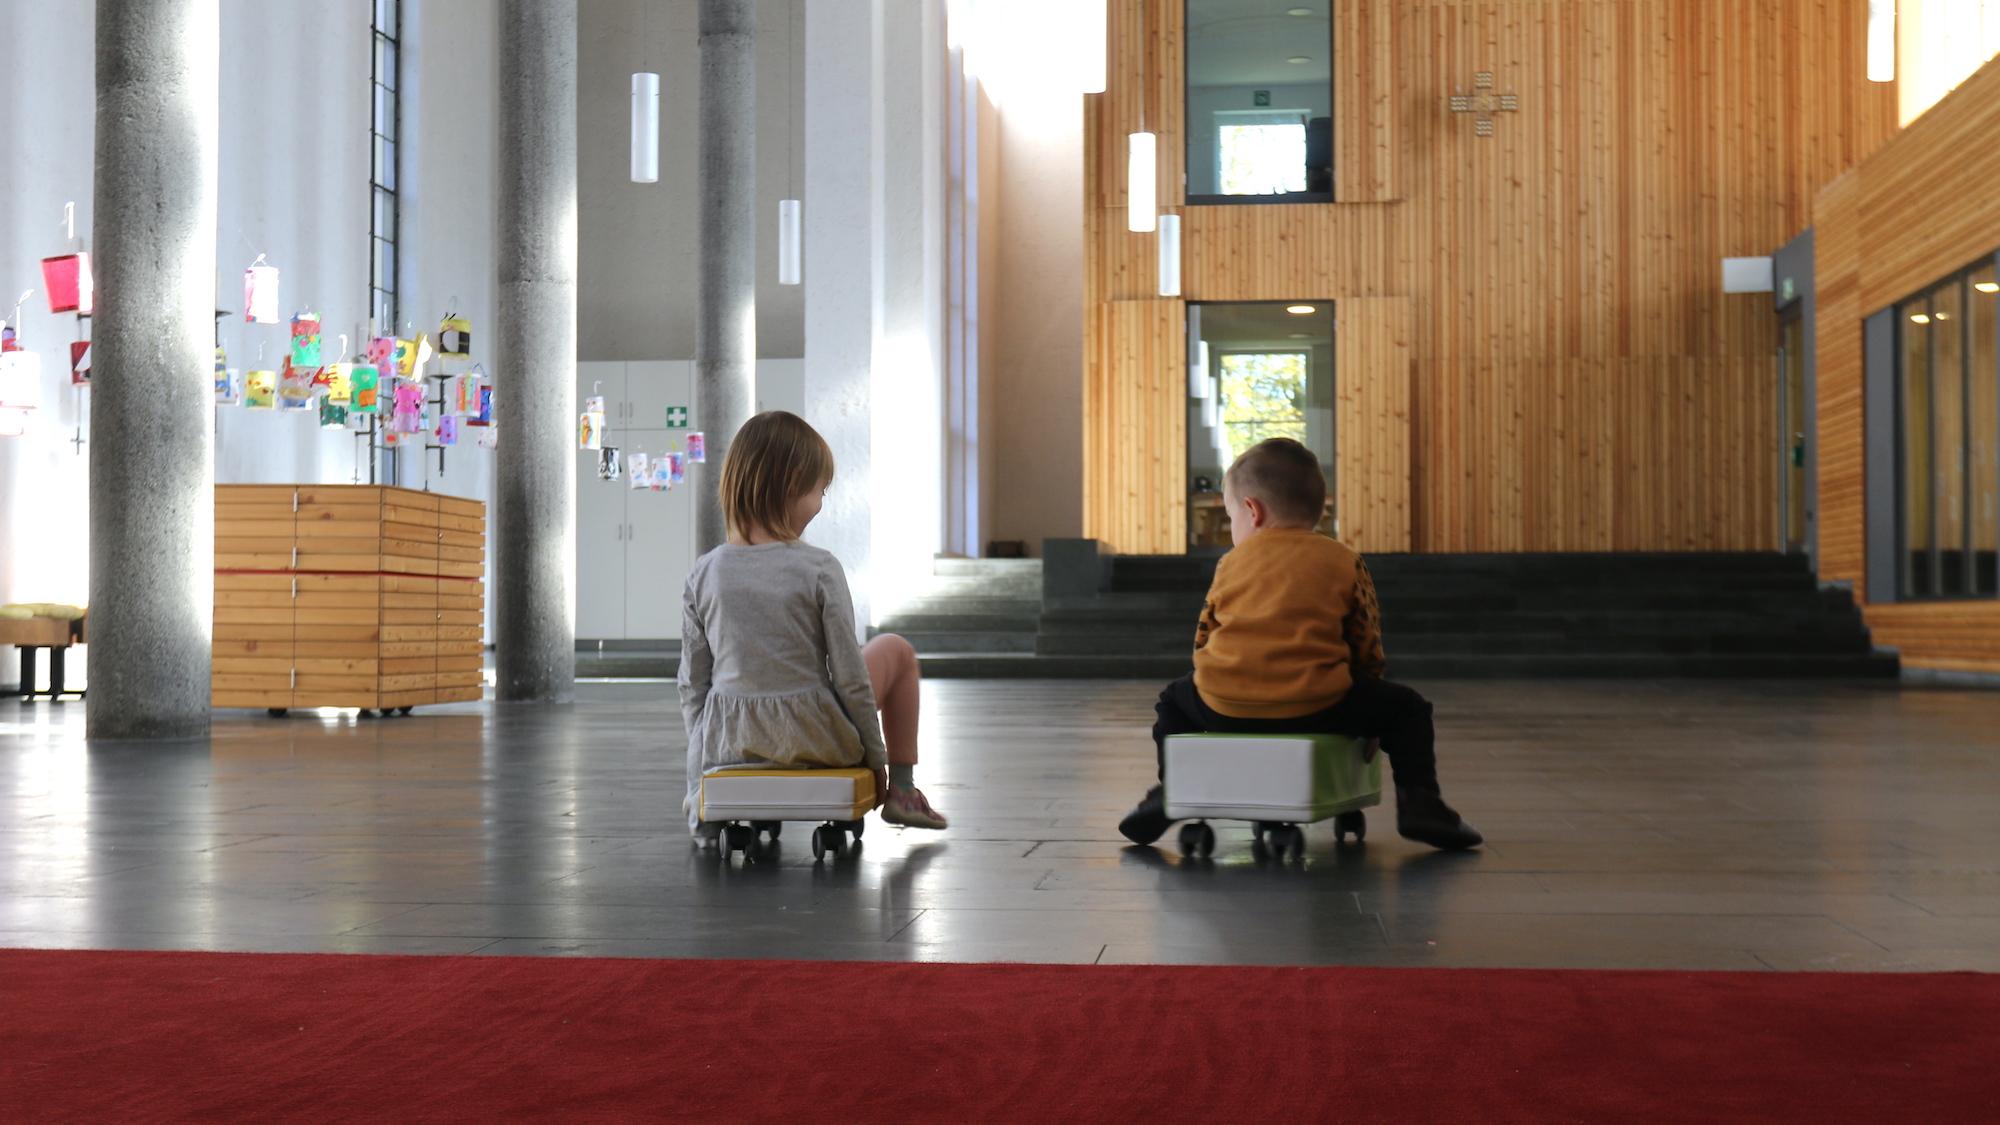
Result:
{"points": [[1285, 475], [773, 460]]}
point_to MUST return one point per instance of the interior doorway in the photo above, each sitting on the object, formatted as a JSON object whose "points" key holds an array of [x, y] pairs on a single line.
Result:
{"points": [[1256, 370], [1794, 430]]}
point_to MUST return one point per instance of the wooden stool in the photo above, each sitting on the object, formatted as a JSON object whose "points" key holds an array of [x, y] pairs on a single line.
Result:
{"points": [[31, 635]]}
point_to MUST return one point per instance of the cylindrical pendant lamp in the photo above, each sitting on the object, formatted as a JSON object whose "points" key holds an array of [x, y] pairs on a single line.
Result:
{"points": [[1881, 40], [1170, 255], [645, 128], [1198, 385], [1141, 188], [788, 242]]}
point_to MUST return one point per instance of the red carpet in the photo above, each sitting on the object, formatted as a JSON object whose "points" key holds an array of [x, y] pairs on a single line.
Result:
{"points": [[259, 1037]]}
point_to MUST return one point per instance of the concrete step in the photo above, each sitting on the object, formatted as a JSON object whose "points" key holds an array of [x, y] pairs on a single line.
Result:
{"points": [[1402, 645], [1444, 666], [989, 568]]}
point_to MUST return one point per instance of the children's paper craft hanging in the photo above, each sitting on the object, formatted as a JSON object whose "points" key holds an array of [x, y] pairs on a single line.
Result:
{"points": [[381, 352], [489, 438], [339, 382], [20, 380], [367, 391], [228, 383], [697, 449], [67, 280], [455, 337], [424, 354], [484, 417], [641, 471], [260, 390], [332, 415], [461, 395], [406, 357], [407, 416], [607, 463], [79, 363], [447, 430], [9, 341], [260, 293], [590, 427], [295, 387], [676, 467], [305, 339]]}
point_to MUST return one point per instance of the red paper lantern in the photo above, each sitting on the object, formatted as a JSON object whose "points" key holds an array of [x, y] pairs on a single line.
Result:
{"points": [[68, 282]]}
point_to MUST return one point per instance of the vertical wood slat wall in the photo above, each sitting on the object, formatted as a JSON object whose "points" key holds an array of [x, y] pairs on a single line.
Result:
{"points": [[347, 596], [1577, 379], [1914, 213], [1372, 428]]}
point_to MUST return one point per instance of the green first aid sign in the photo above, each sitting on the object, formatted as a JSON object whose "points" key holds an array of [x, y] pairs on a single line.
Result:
{"points": [[677, 417]]}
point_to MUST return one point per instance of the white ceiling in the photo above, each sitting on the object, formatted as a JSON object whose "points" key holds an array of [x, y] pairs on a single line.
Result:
{"points": [[1246, 42]]}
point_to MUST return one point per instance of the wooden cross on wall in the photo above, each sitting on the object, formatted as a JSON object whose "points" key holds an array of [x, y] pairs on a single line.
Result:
{"points": [[1483, 103]]}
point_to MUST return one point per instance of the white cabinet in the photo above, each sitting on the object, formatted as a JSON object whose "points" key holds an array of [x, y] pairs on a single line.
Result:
{"points": [[635, 548]]}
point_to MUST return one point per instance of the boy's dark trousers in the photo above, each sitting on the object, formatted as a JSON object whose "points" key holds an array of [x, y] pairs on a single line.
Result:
{"points": [[1393, 713]]}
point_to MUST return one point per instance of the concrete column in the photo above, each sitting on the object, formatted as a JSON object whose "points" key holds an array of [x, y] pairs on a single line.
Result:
{"points": [[725, 334], [152, 477], [534, 565], [843, 268]]}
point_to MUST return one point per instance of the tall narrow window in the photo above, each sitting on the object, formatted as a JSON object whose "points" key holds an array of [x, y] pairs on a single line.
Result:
{"points": [[1259, 108], [1948, 406], [386, 126]]}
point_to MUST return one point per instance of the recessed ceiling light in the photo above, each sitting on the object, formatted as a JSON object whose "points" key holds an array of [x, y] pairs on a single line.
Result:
{"points": [[1943, 316], [1297, 60], [1300, 12], [1300, 310], [1987, 286], [1919, 318]]}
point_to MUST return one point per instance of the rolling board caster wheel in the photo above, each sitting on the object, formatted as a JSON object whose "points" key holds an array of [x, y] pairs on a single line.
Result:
{"points": [[1197, 839], [277, 712], [404, 710], [1289, 842], [1350, 823], [770, 828], [828, 838]]}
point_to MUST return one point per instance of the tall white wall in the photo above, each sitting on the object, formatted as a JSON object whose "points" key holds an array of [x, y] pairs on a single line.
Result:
{"points": [[294, 186]]}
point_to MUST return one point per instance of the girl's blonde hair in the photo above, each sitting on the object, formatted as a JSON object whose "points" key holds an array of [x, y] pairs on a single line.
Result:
{"points": [[773, 460]]}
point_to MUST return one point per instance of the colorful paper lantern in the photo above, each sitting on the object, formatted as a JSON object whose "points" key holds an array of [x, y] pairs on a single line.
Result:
{"points": [[447, 430], [590, 427], [295, 387], [332, 415], [455, 337], [260, 294], [339, 383], [260, 390], [381, 352], [641, 470], [228, 384], [79, 363], [697, 449], [305, 340], [67, 280], [367, 391]]}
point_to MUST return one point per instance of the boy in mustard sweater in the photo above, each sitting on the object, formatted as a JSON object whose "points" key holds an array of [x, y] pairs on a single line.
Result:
{"points": [[1290, 642]]}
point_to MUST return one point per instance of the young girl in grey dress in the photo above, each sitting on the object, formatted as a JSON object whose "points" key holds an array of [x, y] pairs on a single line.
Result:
{"points": [[771, 672]]}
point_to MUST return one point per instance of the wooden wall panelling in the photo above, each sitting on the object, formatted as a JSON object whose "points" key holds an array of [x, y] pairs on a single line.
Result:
{"points": [[1135, 427], [1916, 211], [1372, 422], [1365, 152], [1579, 380]]}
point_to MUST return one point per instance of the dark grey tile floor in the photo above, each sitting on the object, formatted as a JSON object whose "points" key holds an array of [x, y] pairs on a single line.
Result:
{"points": [[1677, 825]]}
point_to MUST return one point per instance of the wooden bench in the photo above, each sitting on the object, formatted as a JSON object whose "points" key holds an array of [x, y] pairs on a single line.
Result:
{"points": [[33, 634]]}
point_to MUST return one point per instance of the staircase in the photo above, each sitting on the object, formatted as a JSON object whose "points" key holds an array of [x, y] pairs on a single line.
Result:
{"points": [[1512, 616], [988, 607]]}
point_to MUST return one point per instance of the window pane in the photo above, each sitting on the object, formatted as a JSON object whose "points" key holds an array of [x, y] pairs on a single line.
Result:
{"points": [[1257, 370], [1916, 440], [385, 16], [385, 215], [385, 62], [1984, 414], [385, 265], [385, 162], [1948, 323], [1250, 62], [385, 112], [383, 309]]}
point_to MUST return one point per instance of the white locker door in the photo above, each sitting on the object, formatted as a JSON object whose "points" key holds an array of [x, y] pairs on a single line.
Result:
{"points": [[652, 387], [600, 519], [601, 534], [658, 555]]}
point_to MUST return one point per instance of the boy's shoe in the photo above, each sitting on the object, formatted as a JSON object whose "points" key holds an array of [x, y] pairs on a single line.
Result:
{"points": [[707, 833], [908, 808], [1148, 819], [1425, 818]]}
